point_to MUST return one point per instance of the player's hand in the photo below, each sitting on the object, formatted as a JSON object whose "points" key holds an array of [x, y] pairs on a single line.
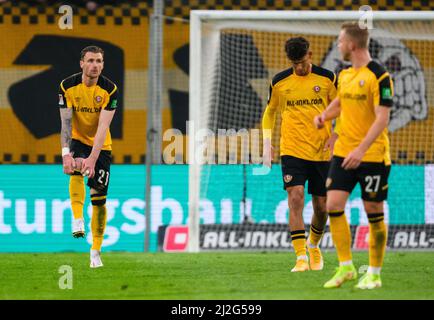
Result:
{"points": [[268, 152], [68, 164], [330, 143], [88, 167], [78, 164], [353, 159], [319, 121]]}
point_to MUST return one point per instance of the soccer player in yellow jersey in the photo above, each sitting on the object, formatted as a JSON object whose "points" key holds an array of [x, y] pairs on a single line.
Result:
{"points": [[87, 102], [361, 154], [299, 93]]}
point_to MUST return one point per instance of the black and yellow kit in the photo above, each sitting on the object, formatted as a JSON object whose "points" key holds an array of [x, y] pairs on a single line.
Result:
{"points": [[299, 99], [87, 103], [296, 171], [360, 91]]}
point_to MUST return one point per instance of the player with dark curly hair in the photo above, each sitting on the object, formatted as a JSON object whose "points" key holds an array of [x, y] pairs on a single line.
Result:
{"points": [[300, 93]]}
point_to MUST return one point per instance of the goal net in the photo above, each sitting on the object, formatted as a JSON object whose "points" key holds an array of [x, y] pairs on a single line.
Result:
{"points": [[233, 57]]}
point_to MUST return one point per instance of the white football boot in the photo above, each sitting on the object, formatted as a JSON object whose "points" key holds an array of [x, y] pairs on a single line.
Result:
{"points": [[78, 228]]}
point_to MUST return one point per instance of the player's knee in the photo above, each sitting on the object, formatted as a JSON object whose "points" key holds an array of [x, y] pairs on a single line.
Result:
{"points": [[98, 199], [334, 206], [295, 199], [371, 206], [319, 205]]}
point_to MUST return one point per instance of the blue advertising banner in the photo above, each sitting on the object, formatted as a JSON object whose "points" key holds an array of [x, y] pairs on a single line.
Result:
{"points": [[35, 214]]}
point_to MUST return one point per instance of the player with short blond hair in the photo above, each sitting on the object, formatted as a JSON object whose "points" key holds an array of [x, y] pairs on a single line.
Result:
{"points": [[361, 154]]}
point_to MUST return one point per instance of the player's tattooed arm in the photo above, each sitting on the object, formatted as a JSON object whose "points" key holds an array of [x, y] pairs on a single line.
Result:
{"points": [[66, 130], [65, 139]]}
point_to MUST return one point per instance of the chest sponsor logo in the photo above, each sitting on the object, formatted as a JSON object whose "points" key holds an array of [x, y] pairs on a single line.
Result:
{"points": [[304, 102], [86, 109], [355, 96]]}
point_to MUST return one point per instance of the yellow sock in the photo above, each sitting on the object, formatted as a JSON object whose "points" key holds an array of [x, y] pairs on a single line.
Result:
{"points": [[377, 239], [77, 193], [298, 238], [315, 235], [99, 218], [341, 235]]}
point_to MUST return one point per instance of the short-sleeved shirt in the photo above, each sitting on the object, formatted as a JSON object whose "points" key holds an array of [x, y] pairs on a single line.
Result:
{"points": [[360, 91], [87, 103], [300, 99]]}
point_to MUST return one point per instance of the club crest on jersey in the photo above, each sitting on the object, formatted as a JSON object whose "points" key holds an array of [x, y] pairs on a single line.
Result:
{"points": [[61, 102], [361, 83], [316, 89], [287, 178], [98, 99]]}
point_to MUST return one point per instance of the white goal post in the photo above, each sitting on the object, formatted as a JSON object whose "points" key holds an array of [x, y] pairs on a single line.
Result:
{"points": [[205, 35]]}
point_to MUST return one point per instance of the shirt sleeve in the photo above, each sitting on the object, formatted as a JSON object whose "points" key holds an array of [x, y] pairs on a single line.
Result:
{"points": [[337, 125], [62, 97], [269, 116], [333, 88], [338, 85], [112, 103], [383, 91]]}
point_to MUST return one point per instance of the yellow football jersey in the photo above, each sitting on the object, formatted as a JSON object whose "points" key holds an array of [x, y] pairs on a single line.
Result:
{"points": [[300, 99], [360, 91], [87, 103]]}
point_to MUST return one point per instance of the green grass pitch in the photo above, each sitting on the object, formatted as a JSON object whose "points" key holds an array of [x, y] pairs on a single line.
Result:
{"points": [[204, 276]]}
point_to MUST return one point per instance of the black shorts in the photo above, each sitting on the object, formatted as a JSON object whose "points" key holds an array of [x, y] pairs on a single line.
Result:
{"points": [[296, 171], [101, 179], [372, 177]]}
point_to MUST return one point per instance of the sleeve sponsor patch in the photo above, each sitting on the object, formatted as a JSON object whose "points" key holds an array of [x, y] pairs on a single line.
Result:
{"points": [[114, 104], [386, 93]]}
